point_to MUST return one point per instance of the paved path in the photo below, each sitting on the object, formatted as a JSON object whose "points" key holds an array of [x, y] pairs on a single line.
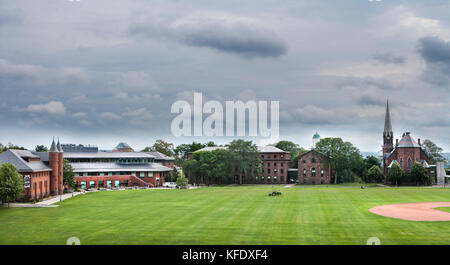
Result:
{"points": [[289, 186], [420, 211], [58, 198], [49, 202]]}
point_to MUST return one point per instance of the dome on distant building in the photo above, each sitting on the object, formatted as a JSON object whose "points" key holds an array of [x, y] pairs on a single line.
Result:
{"points": [[315, 140], [123, 147]]}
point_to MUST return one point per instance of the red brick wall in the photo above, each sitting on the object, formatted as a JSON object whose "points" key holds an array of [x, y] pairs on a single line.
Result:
{"points": [[54, 179], [40, 185], [309, 161], [274, 164]]}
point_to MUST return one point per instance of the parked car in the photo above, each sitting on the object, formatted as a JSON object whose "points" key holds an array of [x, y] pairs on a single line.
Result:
{"points": [[170, 184]]}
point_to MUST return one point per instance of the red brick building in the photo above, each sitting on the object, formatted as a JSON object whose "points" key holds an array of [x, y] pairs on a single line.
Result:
{"points": [[115, 169], [312, 169], [406, 152], [42, 171]]}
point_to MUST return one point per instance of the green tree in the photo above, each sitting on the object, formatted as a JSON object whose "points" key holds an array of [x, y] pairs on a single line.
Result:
{"points": [[11, 183], [375, 174], [293, 148], [245, 158], [172, 176], [418, 173], [182, 181], [181, 151], [41, 148], [343, 157], [395, 174], [68, 174], [434, 152], [162, 147], [191, 170], [9, 146]]}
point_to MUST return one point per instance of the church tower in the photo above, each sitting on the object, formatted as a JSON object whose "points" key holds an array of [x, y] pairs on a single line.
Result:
{"points": [[388, 135]]}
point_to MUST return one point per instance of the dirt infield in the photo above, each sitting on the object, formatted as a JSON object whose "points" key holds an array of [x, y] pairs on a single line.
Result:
{"points": [[420, 211]]}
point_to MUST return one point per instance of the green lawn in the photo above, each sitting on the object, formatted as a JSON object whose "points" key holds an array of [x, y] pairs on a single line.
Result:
{"points": [[445, 209], [227, 215]]}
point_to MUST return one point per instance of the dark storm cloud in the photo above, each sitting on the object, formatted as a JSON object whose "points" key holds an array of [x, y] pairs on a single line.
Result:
{"points": [[240, 37], [388, 58], [436, 54]]}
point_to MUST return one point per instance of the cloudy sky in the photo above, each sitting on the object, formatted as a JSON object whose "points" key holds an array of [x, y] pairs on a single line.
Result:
{"points": [[100, 72]]}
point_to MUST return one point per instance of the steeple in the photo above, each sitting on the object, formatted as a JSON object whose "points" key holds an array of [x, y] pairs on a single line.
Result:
{"points": [[53, 148], [58, 146], [387, 121]]}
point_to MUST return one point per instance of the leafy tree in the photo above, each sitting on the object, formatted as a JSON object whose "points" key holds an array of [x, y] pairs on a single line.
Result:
{"points": [[41, 148], [182, 181], [395, 174], [223, 170], [162, 147], [172, 176], [9, 146], [191, 170], [11, 183], [181, 151], [375, 174], [293, 148], [245, 158], [434, 152], [418, 173], [341, 156], [68, 174]]}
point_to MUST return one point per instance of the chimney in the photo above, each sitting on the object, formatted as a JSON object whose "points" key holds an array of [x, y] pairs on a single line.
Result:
{"points": [[418, 140], [396, 142]]}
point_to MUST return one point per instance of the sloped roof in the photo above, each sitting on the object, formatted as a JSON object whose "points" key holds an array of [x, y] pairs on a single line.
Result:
{"points": [[261, 149], [15, 157], [408, 141], [114, 167], [108, 155], [160, 156]]}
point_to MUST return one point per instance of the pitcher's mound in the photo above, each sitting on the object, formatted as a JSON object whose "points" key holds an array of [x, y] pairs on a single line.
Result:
{"points": [[419, 211]]}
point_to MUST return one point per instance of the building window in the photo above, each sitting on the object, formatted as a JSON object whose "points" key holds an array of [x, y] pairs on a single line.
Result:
{"points": [[281, 156], [313, 160], [275, 164], [142, 174], [268, 170], [313, 172], [304, 172], [409, 163], [304, 161], [282, 171], [274, 156], [150, 174], [282, 164], [321, 172]]}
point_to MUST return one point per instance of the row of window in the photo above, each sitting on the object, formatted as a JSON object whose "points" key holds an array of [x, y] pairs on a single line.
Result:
{"points": [[274, 156], [110, 160], [274, 178], [140, 174], [274, 164], [313, 172], [313, 160], [274, 170]]}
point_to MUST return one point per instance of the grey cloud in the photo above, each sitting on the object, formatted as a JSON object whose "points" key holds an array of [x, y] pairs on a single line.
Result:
{"points": [[230, 35], [371, 99], [11, 16], [436, 54], [388, 58]]}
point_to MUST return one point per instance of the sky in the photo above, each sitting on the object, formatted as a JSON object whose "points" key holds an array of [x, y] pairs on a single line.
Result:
{"points": [[102, 72]]}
